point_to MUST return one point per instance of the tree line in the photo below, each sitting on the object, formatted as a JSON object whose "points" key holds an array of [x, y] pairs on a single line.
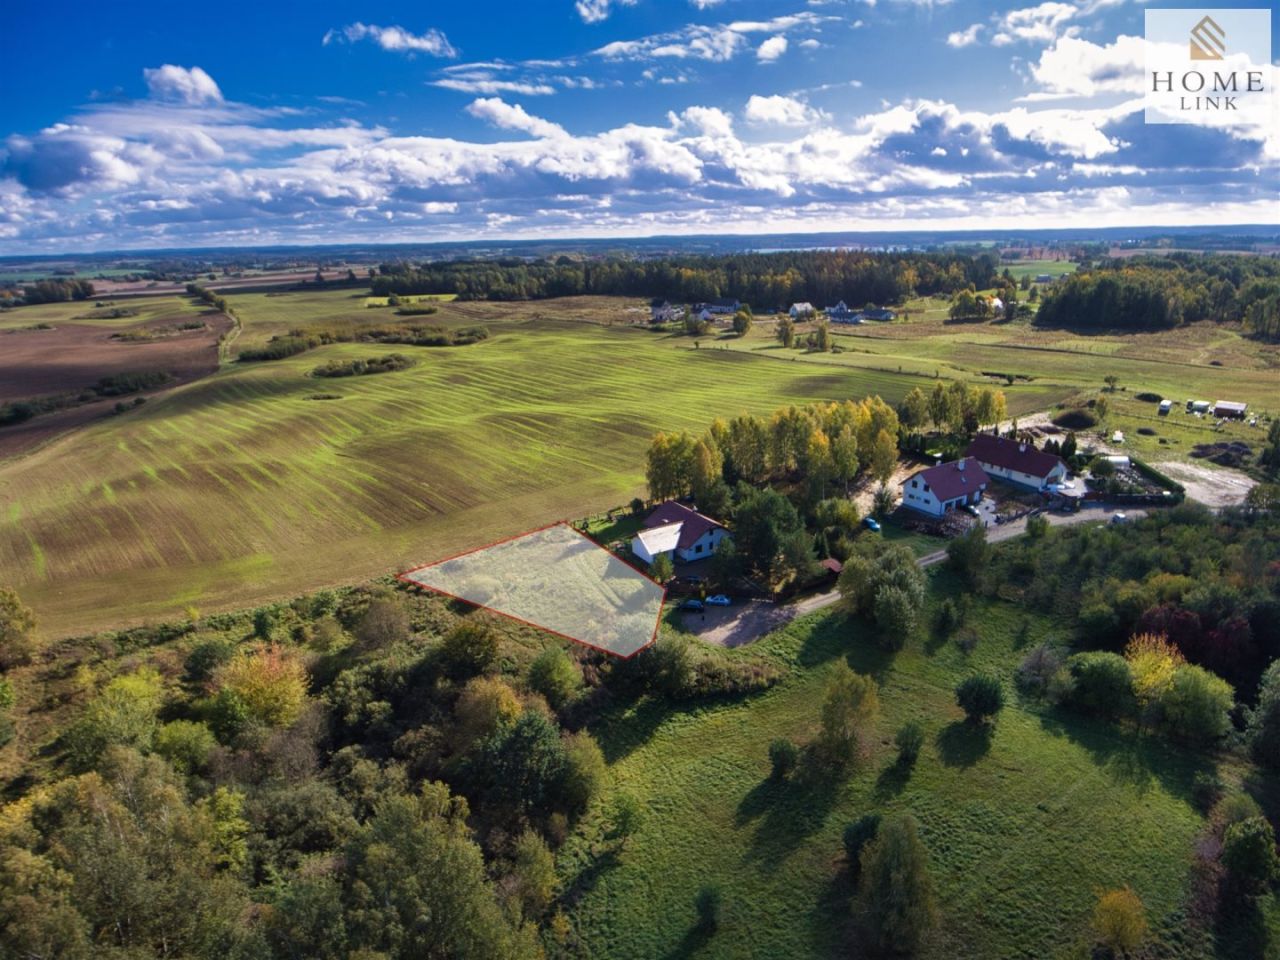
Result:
{"points": [[1157, 293], [764, 279]]}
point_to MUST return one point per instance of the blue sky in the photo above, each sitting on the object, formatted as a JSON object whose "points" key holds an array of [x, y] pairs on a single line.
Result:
{"points": [[177, 124]]}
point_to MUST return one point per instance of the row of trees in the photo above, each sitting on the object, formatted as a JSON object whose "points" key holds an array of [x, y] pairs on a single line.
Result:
{"points": [[770, 279], [1153, 293]]}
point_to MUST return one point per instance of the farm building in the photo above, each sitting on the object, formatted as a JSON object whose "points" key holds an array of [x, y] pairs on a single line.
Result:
{"points": [[724, 306], [841, 313], [1044, 278], [1165, 407], [1230, 408], [881, 313], [1017, 461], [1198, 406], [940, 489], [663, 311], [674, 528], [799, 310], [997, 307]]}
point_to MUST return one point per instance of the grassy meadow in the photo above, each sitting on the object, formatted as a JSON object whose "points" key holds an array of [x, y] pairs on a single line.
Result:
{"points": [[243, 486], [1022, 825], [247, 485]]}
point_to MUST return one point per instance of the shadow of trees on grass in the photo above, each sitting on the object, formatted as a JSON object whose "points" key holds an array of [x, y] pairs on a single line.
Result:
{"points": [[962, 744]]}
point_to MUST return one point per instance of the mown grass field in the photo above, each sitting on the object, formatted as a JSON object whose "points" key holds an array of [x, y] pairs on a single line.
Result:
{"points": [[1022, 826], [240, 487]]}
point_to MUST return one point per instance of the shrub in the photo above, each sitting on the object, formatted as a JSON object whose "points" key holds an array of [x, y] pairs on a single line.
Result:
{"points": [[856, 837], [17, 630], [467, 650], [1235, 807], [269, 680], [123, 714], [783, 756], [534, 870], [185, 744], [1102, 683], [895, 615], [662, 569], [980, 697], [278, 348], [969, 553], [584, 770], [1196, 705], [1249, 854], [485, 704], [390, 363], [384, 623], [556, 676], [1263, 732], [894, 889], [909, 739], [1120, 920], [851, 704], [947, 619], [1037, 669]]}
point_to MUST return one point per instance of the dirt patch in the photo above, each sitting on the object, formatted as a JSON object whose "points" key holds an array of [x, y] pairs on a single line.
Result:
{"points": [[73, 356], [1212, 486], [1233, 453]]}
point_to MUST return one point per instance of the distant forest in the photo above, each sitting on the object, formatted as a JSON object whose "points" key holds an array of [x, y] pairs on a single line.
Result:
{"points": [[1160, 292], [764, 280]]}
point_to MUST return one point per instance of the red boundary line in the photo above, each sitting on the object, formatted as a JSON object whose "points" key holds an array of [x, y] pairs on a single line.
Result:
{"points": [[405, 578]]}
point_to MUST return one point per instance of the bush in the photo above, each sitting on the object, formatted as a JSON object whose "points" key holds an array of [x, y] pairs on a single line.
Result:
{"points": [[783, 757], [123, 714], [1206, 790], [384, 623], [584, 771], [278, 348], [980, 697], [17, 630], [468, 650], [185, 744], [894, 889], [1249, 855], [1197, 704], [534, 870], [1263, 731], [1120, 920], [556, 676], [1037, 669], [1102, 683], [895, 615], [856, 837], [390, 363], [851, 704], [909, 739], [269, 680]]}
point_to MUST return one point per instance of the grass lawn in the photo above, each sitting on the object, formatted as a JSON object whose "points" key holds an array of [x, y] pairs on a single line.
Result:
{"points": [[1022, 825]]}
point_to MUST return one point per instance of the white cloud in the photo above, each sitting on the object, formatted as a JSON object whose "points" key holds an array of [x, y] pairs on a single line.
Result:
{"points": [[513, 117], [180, 83], [716, 43], [395, 39], [1039, 24], [1075, 67], [771, 49], [966, 37], [594, 11], [783, 111]]}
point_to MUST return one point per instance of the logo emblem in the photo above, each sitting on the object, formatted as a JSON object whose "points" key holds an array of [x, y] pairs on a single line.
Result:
{"points": [[1208, 40]]}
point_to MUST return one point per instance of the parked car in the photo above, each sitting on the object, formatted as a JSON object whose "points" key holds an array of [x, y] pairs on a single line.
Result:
{"points": [[970, 509], [1120, 517], [692, 604], [718, 600], [871, 523]]}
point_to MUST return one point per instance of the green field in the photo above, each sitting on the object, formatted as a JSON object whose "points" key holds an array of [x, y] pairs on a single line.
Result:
{"points": [[244, 486], [239, 487], [1007, 819]]}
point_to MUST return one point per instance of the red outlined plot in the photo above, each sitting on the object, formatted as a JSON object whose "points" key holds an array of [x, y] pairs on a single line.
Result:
{"points": [[558, 580]]}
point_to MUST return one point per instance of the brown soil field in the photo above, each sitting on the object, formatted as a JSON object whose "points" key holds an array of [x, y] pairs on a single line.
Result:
{"points": [[75, 354]]}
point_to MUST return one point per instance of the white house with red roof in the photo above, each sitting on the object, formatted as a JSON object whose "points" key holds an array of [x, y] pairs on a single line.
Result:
{"points": [[674, 528], [1017, 461], [940, 489]]}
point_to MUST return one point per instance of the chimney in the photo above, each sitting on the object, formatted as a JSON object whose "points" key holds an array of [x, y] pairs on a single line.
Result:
{"points": [[960, 465], [1022, 447]]}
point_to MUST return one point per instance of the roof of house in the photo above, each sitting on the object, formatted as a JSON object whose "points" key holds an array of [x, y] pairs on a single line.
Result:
{"points": [[1012, 455], [1230, 405], [950, 480], [660, 539], [832, 564], [692, 524], [805, 307]]}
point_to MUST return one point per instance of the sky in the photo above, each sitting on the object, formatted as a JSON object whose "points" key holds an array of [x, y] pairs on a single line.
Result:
{"points": [[159, 125]]}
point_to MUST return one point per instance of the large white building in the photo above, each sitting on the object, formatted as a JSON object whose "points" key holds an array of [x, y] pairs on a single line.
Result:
{"points": [[1017, 461], [678, 530], [940, 489]]}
